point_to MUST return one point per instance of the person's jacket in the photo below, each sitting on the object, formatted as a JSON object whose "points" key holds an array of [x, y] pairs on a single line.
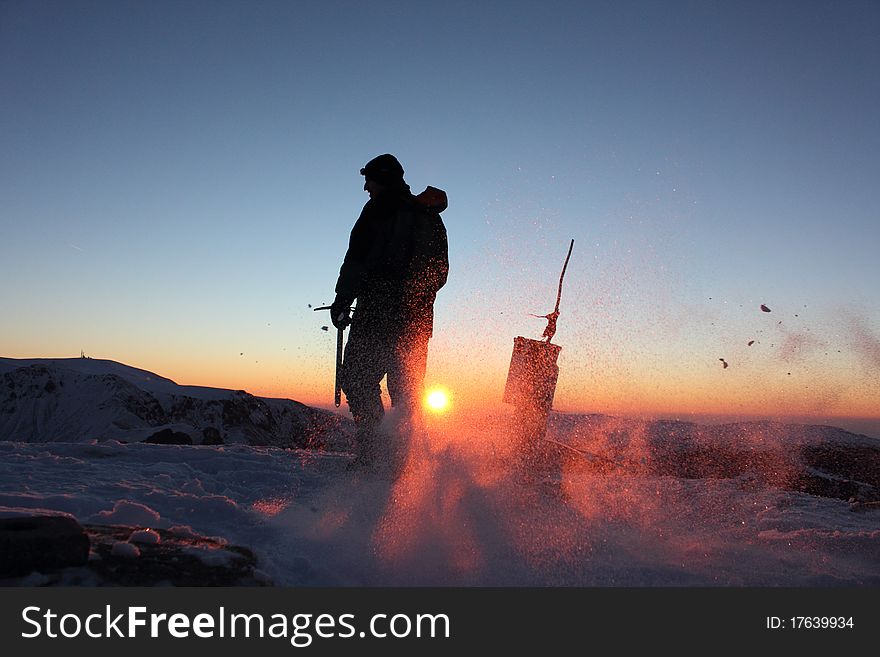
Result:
{"points": [[397, 257]]}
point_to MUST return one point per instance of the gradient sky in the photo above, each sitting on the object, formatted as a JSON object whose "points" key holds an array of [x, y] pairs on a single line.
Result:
{"points": [[178, 181]]}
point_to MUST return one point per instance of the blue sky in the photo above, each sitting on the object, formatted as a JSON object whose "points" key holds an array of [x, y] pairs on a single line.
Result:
{"points": [[178, 180]]}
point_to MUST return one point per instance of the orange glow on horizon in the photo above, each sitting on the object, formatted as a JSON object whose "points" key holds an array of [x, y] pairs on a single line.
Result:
{"points": [[641, 396], [770, 388]]}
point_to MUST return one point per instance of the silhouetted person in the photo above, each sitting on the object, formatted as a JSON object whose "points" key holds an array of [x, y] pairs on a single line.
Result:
{"points": [[397, 260]]}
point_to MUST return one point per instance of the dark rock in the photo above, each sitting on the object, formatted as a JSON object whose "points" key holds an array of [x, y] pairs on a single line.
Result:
{"points": [[139, 403], [169, 437], [863, 507], [41, 543], [814, 459], [822, 485], [859, 462], [841, 471], [211, 436], [248, 412], [173, 560]]}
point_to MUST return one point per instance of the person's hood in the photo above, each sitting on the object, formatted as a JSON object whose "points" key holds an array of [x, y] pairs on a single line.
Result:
{"points": [[433, 199]]}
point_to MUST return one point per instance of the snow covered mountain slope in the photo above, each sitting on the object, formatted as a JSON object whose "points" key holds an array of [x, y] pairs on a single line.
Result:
{"points": [[83, 399]]}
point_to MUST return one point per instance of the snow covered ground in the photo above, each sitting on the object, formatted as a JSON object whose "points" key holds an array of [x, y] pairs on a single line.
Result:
{"points": [[455, 516], [641, 504]]}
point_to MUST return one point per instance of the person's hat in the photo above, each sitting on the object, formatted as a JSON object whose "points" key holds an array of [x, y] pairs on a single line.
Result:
{"points": [[384, 169]]}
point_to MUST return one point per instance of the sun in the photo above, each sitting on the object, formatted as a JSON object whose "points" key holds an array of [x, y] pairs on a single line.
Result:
{"points": [[437, 400]]}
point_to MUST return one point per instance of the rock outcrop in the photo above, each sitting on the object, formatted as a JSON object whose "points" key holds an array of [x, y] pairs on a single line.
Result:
{"points": [[58, 551], [43, 542]]}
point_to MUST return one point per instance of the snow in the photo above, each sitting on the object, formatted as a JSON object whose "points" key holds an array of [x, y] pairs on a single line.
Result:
{"points": [[211, 556], [145, 536], [128, 513], [124, 549], [142, 379], [456, 515], [459, 513]]}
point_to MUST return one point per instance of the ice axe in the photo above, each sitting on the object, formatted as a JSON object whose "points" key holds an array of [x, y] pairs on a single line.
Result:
{"points": [[337, 391]]}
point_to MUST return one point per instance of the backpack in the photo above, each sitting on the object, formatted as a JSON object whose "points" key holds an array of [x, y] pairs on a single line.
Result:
{"points": [[416, 248]]}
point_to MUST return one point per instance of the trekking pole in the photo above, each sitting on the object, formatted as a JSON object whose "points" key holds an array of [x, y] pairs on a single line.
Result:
{"points": [[337, 391]]}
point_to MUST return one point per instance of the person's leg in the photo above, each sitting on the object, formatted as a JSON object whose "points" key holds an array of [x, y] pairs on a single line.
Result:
{"points": [[363, 366], [406, 373]]}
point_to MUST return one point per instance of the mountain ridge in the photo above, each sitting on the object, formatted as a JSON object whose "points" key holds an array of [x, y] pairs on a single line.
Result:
{"points": [[82, 399]]}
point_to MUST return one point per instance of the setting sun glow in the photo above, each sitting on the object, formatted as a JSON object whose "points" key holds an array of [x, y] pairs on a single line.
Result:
{"points": [[437, 400]]}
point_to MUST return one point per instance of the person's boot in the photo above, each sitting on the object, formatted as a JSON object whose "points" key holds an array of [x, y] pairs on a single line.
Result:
{"points": [[365, 449]]}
